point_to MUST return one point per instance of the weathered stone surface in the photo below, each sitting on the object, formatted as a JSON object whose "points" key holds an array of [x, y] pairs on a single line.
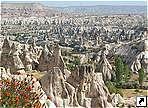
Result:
{"points": [[55, 86], [92, 39], [104, 67], [49, 59], [90, 86], [10, 57], [117, 99]]}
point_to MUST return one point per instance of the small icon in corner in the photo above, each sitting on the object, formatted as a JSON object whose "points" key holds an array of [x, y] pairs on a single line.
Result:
{"points": [[141, 101]]}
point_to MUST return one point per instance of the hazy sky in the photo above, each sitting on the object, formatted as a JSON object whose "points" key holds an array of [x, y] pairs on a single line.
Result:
{"points": [[60, 3], [92, 3]]}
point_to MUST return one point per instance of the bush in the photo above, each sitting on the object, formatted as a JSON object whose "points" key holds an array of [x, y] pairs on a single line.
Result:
{"points": [[16, 94], [118, 84], [127, 73], [72, 63], [119, 92], [76, 61], [111, 87]]}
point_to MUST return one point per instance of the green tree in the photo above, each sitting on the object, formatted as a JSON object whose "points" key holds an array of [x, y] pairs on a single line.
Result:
{"points": [[141, 76], [119, 70], [127, 73]]}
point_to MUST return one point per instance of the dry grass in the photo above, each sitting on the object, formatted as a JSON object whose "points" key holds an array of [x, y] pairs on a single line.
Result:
{"points": [[134, 77], [131, 93], [37, 74]]}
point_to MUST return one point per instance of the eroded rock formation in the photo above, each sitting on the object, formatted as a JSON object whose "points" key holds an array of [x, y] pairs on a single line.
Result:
{"points": [[141, 60], [91, 90], [83, 87], [104, 67]]}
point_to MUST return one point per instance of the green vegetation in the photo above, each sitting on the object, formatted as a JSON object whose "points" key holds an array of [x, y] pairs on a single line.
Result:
{"points": [[141, 76], [122, 76], [127, 73], [130, 85], [112, 88], [119, 70], [122, 72], [72, 63], [76, 61], [70, 60]]}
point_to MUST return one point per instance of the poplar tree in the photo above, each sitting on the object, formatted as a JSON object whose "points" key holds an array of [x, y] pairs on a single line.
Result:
{"points": [[119, 70], [141, 76]]}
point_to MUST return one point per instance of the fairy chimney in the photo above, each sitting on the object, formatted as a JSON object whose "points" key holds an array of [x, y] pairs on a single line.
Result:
{"points": [[104, 67], [10, 57], [45, 59], [5, 54]]}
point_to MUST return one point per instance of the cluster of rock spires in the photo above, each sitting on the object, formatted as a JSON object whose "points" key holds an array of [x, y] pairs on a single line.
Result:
{"points": [[37, 43], [83, 87], [135, 54], [141, 59], [89, 31]]}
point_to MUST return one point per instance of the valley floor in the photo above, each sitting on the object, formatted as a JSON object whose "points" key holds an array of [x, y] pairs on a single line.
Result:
{"points": [[127, 93]]}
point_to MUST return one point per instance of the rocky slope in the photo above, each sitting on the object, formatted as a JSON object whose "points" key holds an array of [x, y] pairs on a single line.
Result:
{"points": [[26, 10]]}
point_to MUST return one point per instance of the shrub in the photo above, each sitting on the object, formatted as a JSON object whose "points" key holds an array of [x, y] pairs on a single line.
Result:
{"points": [[16, 94], [119, 91], [127, 73], [112, 88]]}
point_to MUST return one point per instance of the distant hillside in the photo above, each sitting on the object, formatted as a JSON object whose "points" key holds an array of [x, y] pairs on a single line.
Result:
{"points": [[40, 10], [25, 10], [105, 9]]}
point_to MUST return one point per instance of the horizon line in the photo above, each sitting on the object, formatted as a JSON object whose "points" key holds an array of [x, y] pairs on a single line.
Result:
{"points": [[82, 3]]}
